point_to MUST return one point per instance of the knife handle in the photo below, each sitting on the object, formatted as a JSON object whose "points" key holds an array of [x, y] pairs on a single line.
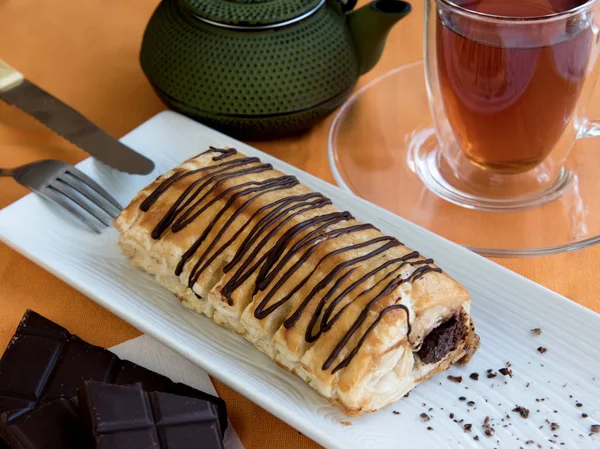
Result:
{"points": [[9, 77]]}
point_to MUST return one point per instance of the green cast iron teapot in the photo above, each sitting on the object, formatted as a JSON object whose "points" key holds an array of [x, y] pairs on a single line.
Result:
{"points": [[263, 69]]}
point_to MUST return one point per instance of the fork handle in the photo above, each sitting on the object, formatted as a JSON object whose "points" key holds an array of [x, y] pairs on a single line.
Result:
{"points": [[6, 172], [9, 77]]}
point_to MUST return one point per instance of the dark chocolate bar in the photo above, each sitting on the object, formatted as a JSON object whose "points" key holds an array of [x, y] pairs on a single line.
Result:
{"points": [[44, 362], [127, 417], [56, 425]]}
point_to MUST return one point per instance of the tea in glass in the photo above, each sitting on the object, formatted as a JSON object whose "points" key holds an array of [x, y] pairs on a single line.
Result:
{"points": [[509, 98]]}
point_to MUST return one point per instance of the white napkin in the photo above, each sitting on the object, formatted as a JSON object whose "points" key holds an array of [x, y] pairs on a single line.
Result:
{"points": [[151, 354]]}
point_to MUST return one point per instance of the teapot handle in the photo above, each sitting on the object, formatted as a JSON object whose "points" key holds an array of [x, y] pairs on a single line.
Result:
{"points": [[347, 5]]}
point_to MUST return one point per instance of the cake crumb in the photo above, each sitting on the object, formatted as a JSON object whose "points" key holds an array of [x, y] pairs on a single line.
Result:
{"points": [[524, 412], [345, 423], [536, 331]]}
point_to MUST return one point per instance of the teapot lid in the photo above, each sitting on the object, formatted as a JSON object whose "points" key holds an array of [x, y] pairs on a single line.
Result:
{"points": [[250, 14]]}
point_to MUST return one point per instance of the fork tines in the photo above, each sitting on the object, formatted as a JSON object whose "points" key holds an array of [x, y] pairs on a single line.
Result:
{"points": [[84, 198]]}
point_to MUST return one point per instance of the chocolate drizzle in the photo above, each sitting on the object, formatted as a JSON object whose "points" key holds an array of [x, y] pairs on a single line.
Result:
{"points": [[290, 249]]}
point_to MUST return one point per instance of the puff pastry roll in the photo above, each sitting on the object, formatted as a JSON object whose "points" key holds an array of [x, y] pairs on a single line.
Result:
{"points": [[353, 312]]}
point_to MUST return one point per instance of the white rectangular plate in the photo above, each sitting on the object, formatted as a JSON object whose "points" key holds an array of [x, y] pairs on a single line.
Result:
{"points": [[505, 308]]}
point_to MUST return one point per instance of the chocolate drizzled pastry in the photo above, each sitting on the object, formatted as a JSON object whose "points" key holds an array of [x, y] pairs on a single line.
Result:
{"points": [[327, 296]]}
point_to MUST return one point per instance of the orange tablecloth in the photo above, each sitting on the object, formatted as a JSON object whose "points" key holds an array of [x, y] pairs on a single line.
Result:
{"points": [[86, 53]]}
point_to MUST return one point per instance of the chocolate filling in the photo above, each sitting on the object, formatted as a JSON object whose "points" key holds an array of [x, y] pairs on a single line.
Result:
{"points": [[442, 340]]}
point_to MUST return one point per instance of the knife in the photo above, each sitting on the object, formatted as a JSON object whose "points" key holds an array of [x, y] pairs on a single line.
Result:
{"points": [[67, 122]]}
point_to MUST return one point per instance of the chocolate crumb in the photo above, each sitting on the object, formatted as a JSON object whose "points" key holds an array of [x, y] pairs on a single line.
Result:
{"points": [[407, 394], [490, 370], [471, 403], [537, 331], [468, 427], [396, 412], [506, 372], [491, 375], [542, 350], [455, 379], [474, 376], [476, 437], [462, 398], [595, 428], [529, 442], [451, 416], [431, 409], [528, 384], [425, 417], [488, 429], [524, 412], [579, 404], [430, 428], [584, 415], [554, 426]]}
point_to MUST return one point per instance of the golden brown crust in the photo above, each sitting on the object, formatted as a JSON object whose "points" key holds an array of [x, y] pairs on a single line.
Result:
{"points": [[328, 297]]}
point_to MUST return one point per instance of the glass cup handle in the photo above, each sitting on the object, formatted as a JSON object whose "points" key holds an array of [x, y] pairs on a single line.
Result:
{"points": [[590, 128]]}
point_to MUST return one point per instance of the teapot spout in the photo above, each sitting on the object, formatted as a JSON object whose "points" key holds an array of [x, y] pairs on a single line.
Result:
{"points": [[370, 26]]}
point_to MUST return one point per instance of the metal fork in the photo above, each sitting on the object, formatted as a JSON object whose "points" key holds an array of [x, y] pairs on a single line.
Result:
{"points": [[69, 188]]}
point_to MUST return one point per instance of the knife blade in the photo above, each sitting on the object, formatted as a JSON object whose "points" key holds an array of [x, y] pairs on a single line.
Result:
{"points": [[70, 124]]}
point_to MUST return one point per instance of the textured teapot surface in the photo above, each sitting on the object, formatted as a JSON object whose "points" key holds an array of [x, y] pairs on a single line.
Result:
{"points": [[250, 84], [260, 69]]}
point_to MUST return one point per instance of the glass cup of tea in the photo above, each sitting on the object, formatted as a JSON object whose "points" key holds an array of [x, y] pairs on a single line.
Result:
{"points": [[508, 84]]}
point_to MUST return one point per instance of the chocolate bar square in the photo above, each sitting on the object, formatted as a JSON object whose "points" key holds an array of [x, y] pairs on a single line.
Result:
{"points": [[44, 362], [128, 417], [54, 425]]}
